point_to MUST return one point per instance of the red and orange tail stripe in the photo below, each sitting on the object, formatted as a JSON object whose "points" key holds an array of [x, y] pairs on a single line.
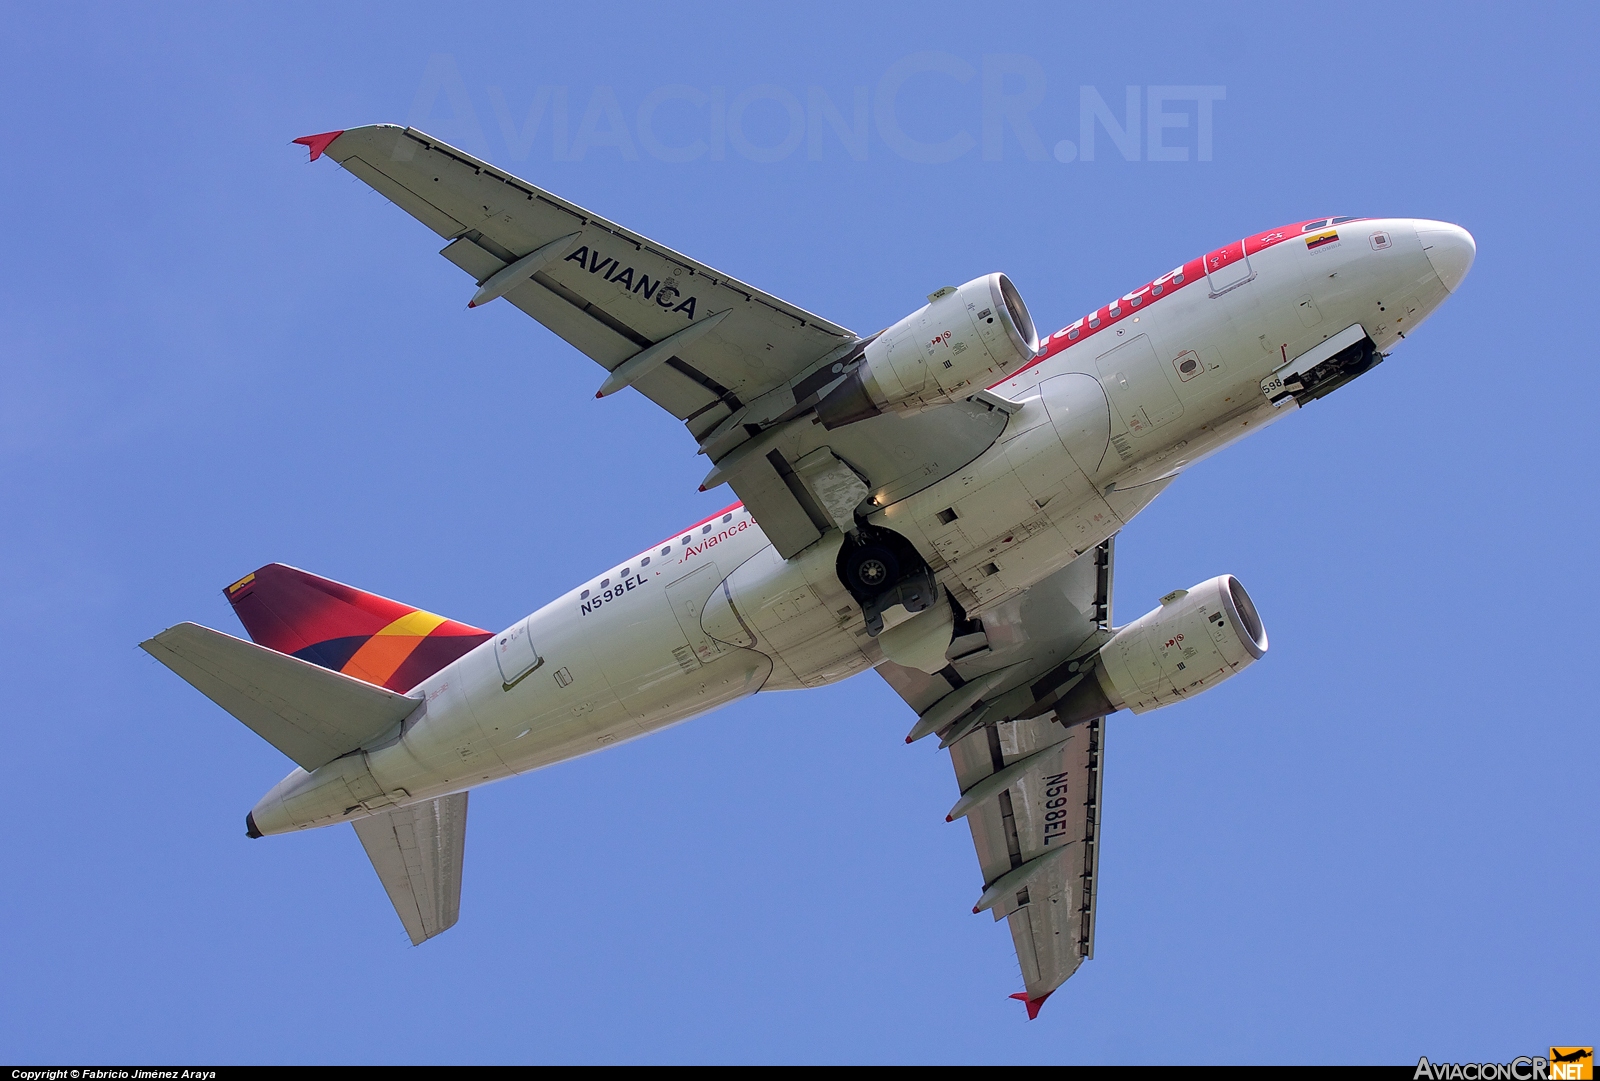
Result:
{"points": [[372, 638]]}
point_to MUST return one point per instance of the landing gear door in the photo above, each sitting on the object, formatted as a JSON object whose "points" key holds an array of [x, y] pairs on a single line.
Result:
{"points": [[688, 596], [1323, 368]]}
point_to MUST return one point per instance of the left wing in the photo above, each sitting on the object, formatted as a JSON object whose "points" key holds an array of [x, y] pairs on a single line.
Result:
{"points": [[417, 853], [1030, 789]]}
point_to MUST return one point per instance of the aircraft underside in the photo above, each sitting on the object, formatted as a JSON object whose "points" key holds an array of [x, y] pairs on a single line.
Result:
{"points": [[937, 501]]}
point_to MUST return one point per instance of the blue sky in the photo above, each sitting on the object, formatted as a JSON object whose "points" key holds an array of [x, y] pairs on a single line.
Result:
{"points": [[1372, 846]]}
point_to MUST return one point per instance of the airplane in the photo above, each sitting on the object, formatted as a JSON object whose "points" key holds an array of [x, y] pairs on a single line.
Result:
{"points": [[937, 501]]}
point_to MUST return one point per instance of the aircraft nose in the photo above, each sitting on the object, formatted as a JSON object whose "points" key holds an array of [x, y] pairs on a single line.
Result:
{"points": [[1449, 248]]}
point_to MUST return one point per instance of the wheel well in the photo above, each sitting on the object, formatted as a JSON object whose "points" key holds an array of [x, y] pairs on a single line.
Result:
{"points": [[905, 553]]}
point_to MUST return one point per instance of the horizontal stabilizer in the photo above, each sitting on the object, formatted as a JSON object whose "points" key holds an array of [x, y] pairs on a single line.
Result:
{"points": [[309, 713], [417, 853]]}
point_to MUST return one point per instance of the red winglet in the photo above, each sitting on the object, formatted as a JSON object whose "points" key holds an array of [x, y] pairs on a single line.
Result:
{"points": [[1033, 1004], [318, 143]]}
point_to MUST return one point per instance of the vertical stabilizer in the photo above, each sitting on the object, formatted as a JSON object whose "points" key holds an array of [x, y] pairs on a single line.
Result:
{"points": [[372, 638]]}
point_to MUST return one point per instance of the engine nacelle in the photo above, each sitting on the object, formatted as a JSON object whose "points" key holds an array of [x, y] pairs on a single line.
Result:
{"points": [[961, 341], [1194, 641], [1191, 643]]}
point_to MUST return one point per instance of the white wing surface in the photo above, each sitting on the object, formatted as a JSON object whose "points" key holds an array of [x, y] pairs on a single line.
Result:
{"points": [[609, 291], [1029, 788], [417, 852], [311, 714], [733, 363]]}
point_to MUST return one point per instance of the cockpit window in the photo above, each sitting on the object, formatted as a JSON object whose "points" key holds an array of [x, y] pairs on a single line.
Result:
{"points": [[1318, 224], [1341, 221]]}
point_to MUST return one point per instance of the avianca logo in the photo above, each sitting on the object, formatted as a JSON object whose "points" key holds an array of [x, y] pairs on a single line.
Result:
{"points": [[716, 539], [662, 291]]}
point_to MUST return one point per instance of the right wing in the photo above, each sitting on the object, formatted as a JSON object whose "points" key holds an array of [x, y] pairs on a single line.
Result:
{"points": [[417, 852], [609, 291], [1030, 789], [736, 365]]}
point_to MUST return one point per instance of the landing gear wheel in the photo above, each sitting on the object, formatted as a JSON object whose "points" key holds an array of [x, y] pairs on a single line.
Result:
{"points": [[871, 568]]}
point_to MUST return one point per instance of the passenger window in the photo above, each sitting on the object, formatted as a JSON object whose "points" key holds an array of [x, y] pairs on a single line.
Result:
{"points": [[727, 518], [685, 539], [643, 563], [584, 595], [667, 550], [604, 582], [704, 530]]}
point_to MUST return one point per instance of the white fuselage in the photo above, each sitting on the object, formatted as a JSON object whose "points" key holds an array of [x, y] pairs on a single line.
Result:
{"points": [[714, 614]]}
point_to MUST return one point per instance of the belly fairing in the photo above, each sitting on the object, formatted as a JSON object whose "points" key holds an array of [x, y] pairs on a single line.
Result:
{"points": [[795, 611]]}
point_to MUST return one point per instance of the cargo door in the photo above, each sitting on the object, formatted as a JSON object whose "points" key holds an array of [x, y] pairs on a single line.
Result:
{"points": [[688, 597], [1137, 385], [513, 649]]}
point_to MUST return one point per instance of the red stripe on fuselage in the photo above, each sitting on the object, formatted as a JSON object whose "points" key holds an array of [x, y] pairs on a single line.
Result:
{"points": [[1155, 290], [697, 525]]}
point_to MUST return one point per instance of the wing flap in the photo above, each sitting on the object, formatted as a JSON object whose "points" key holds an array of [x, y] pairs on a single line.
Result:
{"points": [[597, 334], [308, 712], [417, 852], [773, 503], [1021, 822]]}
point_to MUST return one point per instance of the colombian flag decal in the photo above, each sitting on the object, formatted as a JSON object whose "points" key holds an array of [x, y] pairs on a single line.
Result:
{"points": [[1319, 240]]}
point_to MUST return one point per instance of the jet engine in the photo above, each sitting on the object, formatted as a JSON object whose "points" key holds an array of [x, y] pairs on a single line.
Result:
{"points": [[961, 341], [1195, 640]]}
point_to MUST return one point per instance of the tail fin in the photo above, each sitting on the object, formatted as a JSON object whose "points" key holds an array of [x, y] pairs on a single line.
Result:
{"points": [[372, 638]]}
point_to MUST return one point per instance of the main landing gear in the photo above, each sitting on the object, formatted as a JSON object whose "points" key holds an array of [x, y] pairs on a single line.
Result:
{"points": [[881, 569]]}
